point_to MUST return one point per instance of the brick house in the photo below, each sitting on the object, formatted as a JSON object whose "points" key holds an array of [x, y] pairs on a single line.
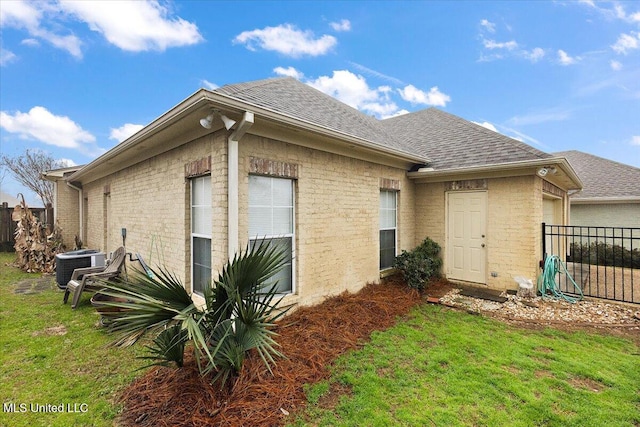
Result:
{"points": [[344, 192], [611, 194]]}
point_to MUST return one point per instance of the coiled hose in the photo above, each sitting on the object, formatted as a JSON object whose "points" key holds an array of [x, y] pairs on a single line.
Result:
{"points": [[547, 284]]}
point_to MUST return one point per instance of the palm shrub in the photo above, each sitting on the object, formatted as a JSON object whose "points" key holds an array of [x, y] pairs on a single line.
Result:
{"points": [[238, 315], [420, 264]]}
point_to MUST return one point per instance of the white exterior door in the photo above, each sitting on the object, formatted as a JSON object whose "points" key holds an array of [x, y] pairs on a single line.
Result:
{"points": [[466, 235]]}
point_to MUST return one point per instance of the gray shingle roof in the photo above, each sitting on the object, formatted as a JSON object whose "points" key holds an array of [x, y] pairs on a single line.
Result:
{"points": [[452, 142], [288, 96], [449, 141], [603, 178]]}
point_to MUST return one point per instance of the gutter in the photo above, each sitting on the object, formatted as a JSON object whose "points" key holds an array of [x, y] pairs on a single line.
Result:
{"points": [[602, 200], [233, 182], [561, 162]]}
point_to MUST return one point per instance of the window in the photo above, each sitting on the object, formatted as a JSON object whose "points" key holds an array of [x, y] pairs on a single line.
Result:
{"points": [[271, 217], [200, 233], [388, 201]]}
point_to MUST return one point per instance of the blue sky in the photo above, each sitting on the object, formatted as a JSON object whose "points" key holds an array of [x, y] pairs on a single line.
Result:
{"points": [[76, 78]]}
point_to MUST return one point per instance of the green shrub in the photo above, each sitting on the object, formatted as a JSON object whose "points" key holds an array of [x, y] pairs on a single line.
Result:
{"points": [[599, 253], [421, 264]]}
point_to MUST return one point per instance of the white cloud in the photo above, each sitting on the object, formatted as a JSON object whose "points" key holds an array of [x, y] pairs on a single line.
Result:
{"points": [[635, 140], [41, 125], [124, 131], [375, 73], [135, 26], [617, 12], [6, 57], [489, 26], [19, 14], [627, 42], [130, 25], [615, 65], [347, 87], [30, 42], [287, 40], [491, 44], [66, 163], [487, 125], [343, 25], [289, 72], [416, 96], [28, 16], [354, 90], [549, 115], [564, 58], [535, 55], [207, 84]]}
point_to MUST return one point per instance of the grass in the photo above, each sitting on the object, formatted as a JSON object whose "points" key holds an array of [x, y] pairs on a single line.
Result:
{"points": [[449, 368], [51, 354], [439, 367]]}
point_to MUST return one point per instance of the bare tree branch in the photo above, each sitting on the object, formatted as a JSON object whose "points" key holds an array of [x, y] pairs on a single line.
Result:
{"points": [[26, 169]]}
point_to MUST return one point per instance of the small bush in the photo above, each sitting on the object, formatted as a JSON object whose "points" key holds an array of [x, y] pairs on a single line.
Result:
{"points": [[598, 253], [421, 264]]}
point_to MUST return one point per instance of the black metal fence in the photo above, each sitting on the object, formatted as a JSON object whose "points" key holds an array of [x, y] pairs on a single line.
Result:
{"points": [[603, 261]]}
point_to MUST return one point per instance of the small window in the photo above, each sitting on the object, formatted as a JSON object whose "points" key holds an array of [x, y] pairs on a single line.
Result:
{"points": [[388, 226], [201, 230], [271, 216]]}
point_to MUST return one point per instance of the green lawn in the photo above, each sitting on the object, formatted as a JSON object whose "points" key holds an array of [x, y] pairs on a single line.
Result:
{"points": [[450, 368], [440, 367], [52, 355]]}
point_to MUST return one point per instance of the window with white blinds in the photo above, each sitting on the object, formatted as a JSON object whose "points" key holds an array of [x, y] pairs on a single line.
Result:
{"points": [[388, 228], [271, 216], [201, 228]]}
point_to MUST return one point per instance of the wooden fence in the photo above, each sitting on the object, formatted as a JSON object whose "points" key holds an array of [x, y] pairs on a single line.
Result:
{"points": [[8, 226]]}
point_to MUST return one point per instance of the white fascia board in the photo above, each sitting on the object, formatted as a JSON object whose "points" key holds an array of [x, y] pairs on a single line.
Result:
{"points": [[604, 200], [523, 167]]}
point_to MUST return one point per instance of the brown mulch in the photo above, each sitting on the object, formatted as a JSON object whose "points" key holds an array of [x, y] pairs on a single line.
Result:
{"points": [[311, 338]]}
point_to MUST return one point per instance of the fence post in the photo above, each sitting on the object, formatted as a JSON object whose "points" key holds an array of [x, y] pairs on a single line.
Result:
{"points": [[544, 245], [48, 214]]}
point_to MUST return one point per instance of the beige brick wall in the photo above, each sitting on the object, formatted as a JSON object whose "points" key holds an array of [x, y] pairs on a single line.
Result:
{"points": [[514, 219], [151, 200], [337, 204], [514, 214], [66, 212]]}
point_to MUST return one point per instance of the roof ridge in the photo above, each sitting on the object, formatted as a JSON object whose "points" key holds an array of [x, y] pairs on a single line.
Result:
{"points": [[513, 141], [583, 153]]}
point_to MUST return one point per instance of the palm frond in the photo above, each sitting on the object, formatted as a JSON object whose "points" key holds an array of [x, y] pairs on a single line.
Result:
{"points": [[168, 347]]}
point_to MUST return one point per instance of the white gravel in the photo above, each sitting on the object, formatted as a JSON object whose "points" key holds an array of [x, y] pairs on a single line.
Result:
{"points": [[538, 309]]}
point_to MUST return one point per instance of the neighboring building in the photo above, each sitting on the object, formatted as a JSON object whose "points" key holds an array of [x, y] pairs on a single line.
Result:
{"points": [[611, 193], [8, 199], [342, 191]]}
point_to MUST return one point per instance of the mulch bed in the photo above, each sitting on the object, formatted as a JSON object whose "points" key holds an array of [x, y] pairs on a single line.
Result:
{"points": [[311, 338]]}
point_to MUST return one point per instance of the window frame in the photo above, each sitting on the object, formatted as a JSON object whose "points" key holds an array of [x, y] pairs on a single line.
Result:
{"points": [[271, 236], [193, 235], [394, 228]]}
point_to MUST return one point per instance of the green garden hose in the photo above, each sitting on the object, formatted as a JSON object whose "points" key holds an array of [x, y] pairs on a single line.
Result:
{"points": [[547, 280]]}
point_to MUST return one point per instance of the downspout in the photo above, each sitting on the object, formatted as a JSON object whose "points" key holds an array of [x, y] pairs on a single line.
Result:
{"points": [[80, 209], [233, 182]]}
